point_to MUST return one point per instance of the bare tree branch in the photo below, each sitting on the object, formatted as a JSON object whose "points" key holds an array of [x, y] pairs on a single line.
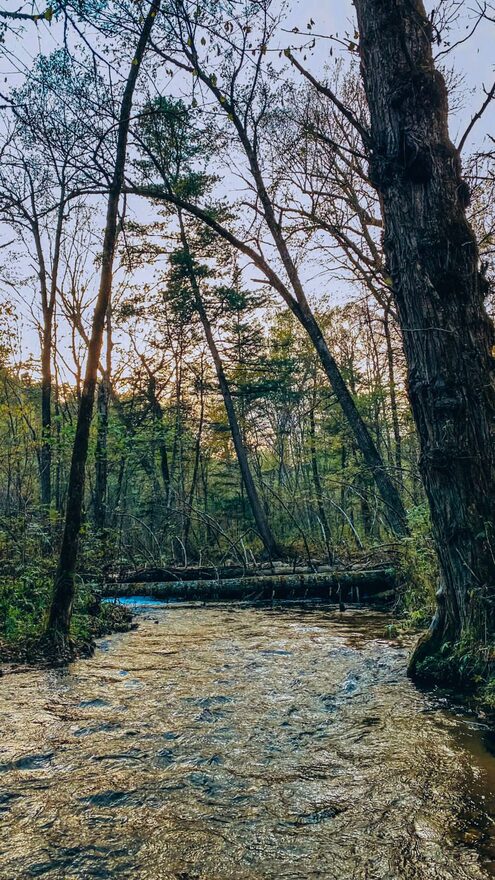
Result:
{"points": [[477, 116]]}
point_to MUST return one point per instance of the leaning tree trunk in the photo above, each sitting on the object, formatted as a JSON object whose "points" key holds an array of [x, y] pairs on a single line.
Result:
{"points": [[297, 302], [259, 515], [394, 508], [64, 588], [260, 519], [439, 291], [300, 308]]}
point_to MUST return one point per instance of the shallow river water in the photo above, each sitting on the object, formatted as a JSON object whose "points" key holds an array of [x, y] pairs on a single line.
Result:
{"points": [[242, 742]]}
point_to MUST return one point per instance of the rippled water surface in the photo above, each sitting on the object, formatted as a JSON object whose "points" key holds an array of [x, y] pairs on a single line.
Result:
{"points": [[216, 743]]}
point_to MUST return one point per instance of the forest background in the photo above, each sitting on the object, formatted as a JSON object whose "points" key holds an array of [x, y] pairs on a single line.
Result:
{"points": [[232, 424]]}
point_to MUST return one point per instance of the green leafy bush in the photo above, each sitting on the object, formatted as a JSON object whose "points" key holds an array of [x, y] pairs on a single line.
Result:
{"points": [[23, 601]]}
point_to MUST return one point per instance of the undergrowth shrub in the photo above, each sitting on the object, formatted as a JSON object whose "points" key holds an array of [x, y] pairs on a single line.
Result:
{"points": [[418, 569]]}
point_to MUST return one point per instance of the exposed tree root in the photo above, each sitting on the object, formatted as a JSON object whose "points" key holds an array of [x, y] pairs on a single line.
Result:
{"points": [[429, 642]]}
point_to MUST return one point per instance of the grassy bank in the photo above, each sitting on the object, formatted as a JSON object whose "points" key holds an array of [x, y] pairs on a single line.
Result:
{"points": [[24, 604]]}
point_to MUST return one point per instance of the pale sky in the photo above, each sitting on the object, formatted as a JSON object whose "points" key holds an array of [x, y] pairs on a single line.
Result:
{"points": [[473, 60]]}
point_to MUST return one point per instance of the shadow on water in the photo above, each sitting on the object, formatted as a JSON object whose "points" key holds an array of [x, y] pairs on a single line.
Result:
{"points": [[242, 743]]}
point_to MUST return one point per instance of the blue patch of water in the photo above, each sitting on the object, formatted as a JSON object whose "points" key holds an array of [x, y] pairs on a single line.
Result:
{"points": [[148, 601]]}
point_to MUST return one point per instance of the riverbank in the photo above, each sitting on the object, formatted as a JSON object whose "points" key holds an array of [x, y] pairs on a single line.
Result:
{"points": [[24, 603], [97, 620]]}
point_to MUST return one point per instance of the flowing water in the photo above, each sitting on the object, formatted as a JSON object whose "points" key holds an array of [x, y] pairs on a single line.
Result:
{"points": [[241, 742]]}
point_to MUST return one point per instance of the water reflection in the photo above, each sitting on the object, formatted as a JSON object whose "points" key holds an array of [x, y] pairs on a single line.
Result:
{"points": [[217, 743]]}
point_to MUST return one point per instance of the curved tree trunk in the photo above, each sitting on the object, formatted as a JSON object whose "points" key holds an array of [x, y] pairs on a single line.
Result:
{"points": [[439, 292], [64, 587]]}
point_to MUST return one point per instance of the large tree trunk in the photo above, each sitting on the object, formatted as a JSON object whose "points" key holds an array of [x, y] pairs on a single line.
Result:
{"points": [[439, 292], [260, 519], [352, 586], [64, 587]]}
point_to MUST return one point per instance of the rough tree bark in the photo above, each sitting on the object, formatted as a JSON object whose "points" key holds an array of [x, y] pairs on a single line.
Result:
{"points": [[64, 587], [439, 289]]}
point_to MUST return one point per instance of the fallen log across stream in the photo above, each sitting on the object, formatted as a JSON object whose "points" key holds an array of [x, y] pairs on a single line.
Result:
{"points": [[376, 585]]}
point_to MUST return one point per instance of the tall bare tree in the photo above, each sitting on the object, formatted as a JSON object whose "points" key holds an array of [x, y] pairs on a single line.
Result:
{"points": [[64, 587], [238, 88]]}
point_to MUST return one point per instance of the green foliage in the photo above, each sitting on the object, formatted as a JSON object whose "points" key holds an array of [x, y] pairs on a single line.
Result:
{"points": [[418, 569], [487, 693], [23, 602], [466, 665]]}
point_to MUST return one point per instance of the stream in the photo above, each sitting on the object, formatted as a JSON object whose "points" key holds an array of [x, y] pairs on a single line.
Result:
{"points": [[243, 742]]}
